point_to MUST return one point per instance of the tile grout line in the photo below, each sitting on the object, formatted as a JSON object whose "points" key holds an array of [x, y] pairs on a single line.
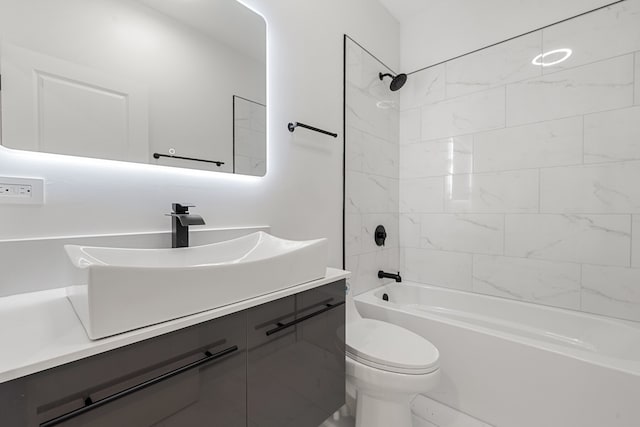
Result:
{"points": [[584, 158], [631, 241], [473, 272], [542, 49], [444, 192], [539, 190], [512, 212], [516, 126], [581, 275], [533, 168], [420, 121], [543, 260], [505, 106], [444, 72], [473, 152], [636, 84], [504, 234]]}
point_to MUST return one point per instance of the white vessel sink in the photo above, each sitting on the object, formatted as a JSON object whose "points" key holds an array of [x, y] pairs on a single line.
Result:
{"points": [[125, 289]]}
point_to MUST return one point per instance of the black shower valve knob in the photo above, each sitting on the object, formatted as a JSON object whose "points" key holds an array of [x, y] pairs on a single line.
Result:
{"points": [[380, 235]]}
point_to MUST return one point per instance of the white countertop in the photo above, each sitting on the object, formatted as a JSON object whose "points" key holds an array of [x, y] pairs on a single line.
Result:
{"points": [[40, 330]]}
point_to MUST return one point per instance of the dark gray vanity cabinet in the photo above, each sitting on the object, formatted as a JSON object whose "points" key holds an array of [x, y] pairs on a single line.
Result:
{"points": [[192, 377], [278, 364], [296, 361]]}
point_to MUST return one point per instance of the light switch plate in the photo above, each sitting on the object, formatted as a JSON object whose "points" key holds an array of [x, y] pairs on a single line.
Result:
{"points": [[21, 191]]}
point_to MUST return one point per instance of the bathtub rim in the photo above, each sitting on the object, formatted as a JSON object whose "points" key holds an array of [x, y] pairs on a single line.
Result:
{"points": [[630, 367]]}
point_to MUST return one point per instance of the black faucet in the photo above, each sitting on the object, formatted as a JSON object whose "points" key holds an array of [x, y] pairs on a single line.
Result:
{"points": [[181, 219], [383, 275]]}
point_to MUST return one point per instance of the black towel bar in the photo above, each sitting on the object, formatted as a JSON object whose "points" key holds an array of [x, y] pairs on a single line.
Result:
{"points": [[171, 156], [293, 125]]}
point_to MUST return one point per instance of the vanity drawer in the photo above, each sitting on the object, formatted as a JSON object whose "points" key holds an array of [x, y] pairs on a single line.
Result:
{"points": [[172, 380], [296, 359]]}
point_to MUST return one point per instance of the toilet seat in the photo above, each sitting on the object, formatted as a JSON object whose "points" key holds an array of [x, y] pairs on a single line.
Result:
{"points": [[389, 347]]}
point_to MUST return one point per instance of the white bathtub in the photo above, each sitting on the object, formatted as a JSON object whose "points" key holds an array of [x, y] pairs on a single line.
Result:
{"points": [[514, 364]]}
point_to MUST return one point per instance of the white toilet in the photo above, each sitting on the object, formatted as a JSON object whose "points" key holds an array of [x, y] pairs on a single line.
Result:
{"points": [[387, 366]]}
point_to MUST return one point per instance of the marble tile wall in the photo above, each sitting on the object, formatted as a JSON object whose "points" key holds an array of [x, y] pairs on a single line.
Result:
{"points": [[523, 181], [372, 174]]}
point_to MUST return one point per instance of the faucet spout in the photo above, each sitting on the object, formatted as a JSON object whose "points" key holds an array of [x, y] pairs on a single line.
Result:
{"points": [[385, 275], [189, 219], [181, 219]]}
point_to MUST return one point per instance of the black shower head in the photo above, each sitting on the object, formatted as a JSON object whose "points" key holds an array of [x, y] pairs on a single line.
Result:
{"points": [[396, 81]]}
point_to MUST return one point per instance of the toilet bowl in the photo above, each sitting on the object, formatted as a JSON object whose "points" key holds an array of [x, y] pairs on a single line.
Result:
{"points": [[387, 366]]}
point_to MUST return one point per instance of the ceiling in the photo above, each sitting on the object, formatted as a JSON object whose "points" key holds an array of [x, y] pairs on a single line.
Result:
{"points": [[405, 9]]}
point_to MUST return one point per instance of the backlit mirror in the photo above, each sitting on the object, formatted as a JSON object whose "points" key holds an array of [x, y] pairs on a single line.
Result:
{"points": [[168, 82]]}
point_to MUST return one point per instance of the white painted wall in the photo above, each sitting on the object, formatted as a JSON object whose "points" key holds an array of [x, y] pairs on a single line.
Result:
{"points": [[436, 30], [301, 195]]}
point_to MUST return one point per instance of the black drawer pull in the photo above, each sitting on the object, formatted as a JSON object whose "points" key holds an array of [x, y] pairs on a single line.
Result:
{"points": [[209, 357], [281, 326]]}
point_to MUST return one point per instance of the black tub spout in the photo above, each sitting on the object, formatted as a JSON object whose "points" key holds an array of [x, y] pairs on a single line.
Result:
{"points": [[383, 275]]}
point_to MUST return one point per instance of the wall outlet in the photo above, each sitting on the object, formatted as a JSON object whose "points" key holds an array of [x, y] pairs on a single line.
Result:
{"points": [[21, 191], [16, 190]]}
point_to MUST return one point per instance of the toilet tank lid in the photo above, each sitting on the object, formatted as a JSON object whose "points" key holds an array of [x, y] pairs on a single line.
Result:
{"points": [[390, 345]]}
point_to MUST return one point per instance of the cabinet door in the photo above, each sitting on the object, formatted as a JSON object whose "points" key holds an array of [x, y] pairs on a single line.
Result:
{"points": [[296, 359], [192, 377]]}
